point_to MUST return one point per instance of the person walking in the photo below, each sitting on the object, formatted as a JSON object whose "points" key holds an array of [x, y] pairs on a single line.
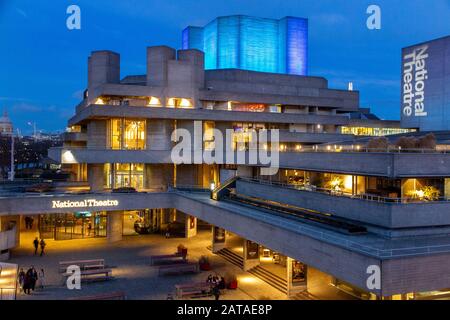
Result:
{"points": [[34, 278], [36, 245], [21, 279], [216, 292], [43, 244], [41, 277], [27, 281]]}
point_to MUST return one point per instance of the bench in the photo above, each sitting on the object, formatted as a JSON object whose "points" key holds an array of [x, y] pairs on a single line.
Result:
{"points": [[83, 264], [167, 258], [119, 295], [93, 275], [193, 290], [178, 269]]}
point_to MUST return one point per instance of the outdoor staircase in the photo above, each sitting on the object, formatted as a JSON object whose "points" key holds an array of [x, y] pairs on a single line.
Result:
{"points": [[270, 278], [231, 257], [304, 295]]}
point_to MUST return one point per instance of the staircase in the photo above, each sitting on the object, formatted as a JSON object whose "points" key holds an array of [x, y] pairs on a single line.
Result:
{"points": [[231, 257], [270, 278], [304, 295]]}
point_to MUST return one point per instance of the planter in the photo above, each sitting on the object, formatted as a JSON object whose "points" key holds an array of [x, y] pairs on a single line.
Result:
{"points": [[233, 285], [205, 266]]}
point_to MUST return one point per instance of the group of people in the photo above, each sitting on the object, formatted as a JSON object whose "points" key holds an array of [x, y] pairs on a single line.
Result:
{"points": [[37, 243], [29, 223], [28, 281], [217, 283]]}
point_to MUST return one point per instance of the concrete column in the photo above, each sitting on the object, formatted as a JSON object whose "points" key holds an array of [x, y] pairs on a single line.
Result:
{"points": [[218, 239], [114, 226], [95, 177], [190, 226], [291, 289], [251, 255]]}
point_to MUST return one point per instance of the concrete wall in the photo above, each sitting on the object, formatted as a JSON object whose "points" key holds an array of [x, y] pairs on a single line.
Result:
{"points": [[97, 134], [158, 134], [114, 226], [415, 274]]}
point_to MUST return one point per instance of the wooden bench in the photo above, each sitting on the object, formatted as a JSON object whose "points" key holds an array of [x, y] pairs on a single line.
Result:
{"points": [[193, 290], [83, 264], [93, 275], [178, 269], [167, 258], [119, 295]]}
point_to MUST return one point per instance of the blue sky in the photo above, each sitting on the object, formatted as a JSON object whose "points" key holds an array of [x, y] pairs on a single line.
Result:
{"points": [[43, 65]]}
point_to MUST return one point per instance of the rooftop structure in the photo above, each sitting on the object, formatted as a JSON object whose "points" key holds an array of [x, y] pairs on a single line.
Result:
{"points": [[252, 43]]}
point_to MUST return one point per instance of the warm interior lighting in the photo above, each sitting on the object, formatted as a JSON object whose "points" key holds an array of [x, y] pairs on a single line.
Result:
{"points": [[298, 147], [99, 101], [154, 101], [348, 182], [185, 103], [171, 103]]}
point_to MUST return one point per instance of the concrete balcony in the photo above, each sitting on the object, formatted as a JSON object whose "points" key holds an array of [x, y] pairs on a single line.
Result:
{"points": [[94, 111], [381, 214], [392, 165], [74, 136]]}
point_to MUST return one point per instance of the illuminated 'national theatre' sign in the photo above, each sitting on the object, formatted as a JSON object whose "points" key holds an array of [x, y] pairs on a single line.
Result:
{"points": [[425, 87], [88, 203]]}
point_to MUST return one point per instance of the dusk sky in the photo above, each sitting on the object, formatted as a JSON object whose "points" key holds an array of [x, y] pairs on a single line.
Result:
{"points": [[43, 65]]}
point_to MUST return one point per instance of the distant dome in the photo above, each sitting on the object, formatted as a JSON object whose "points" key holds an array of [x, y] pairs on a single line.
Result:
{"points": [[6, 126]]}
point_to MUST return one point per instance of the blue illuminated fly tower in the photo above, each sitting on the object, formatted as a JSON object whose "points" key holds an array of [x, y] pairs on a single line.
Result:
{"points": [[251, 43]]}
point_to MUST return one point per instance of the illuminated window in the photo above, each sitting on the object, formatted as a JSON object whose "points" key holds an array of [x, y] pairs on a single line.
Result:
{"points": [[242, 135], [378, 132], [208, 135], [127, 134], [154, 102], [179, 103], [99, 101], [119, 175]]}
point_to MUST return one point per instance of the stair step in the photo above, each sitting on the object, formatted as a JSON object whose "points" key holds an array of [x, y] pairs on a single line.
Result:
{"points": [[270, 278], [305, 295], [232, 257], [271, 274]]}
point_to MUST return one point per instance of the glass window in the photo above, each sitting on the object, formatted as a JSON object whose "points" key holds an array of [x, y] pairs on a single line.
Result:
{"points": [[127, 134], [128, 175]]}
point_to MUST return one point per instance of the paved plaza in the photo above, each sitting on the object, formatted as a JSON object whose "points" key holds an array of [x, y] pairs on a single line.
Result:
{"points": [[130, 262]]}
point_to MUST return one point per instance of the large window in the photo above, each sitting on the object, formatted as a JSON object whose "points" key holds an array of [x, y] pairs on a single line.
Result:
{"points": [[363, 131], [127, 134], [119, 175]]}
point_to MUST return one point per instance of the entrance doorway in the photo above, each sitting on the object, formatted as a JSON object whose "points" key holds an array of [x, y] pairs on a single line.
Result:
{"points": [[77, 225]]}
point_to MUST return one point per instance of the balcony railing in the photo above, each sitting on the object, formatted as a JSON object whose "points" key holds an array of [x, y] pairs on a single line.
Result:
{"points": [[331, 192]]}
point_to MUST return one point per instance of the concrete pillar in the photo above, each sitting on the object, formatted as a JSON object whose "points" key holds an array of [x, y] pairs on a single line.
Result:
{"points": [[218, 239], [159, 134], [190, 226], [103, 67], [251, 255], [291, 289], [158, 58], [114, 226], [95, 177]]}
